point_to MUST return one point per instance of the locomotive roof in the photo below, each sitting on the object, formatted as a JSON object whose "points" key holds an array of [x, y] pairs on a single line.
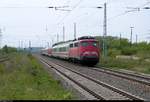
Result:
{"points": [[85, 37], [62, 42], [80, 38]]}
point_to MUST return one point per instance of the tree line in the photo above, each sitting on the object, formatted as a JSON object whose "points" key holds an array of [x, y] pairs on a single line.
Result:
{"points": [[122, 46]]}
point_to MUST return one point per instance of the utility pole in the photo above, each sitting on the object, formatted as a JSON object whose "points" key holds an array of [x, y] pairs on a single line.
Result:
{"points": [[21, 44], [74, 30], [120, 36], [46, 28], [131, 35], [29, 45], [136, 38], [0, 38], [120, 40], [57, 37], [63, 33], [105, 31], [52, 42], [48, 44]]}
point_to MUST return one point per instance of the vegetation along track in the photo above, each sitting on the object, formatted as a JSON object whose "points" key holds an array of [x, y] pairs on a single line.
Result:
{"points": [[137, 88], [97, 88], [5, 58]]}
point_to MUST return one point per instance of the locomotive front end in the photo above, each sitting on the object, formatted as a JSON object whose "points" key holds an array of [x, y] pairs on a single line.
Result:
{"points": [[89, 52]]}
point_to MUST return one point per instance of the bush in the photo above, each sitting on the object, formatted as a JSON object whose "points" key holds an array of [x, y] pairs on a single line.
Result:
{"points": [[129, 51], [30, 56], [117, 63], [7, 49], [113, 52]]}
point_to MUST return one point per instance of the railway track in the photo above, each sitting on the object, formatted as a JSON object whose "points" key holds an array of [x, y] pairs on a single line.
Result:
{"points": [[5, 58], [98, 89], [144, 79], [138, 86], [130, 76]]}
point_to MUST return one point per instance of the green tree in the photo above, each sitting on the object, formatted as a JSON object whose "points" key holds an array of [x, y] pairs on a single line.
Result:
{"points": [[5, 49]]}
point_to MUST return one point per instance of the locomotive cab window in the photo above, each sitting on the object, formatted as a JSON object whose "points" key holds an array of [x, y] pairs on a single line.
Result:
{"points": [[76, 45], [84, 44], [94, 44], [71, 45]]}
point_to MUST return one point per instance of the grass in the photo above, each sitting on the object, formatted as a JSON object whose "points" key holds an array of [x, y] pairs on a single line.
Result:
{"points": [[133, 65], [22, 78]]}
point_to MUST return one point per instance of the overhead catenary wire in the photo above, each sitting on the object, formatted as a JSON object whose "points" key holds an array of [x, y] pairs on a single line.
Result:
{"points": [[121, 14], [126, 12], [74, 7], [23, 7], [69, 12], [111, 18], [145, 4]]}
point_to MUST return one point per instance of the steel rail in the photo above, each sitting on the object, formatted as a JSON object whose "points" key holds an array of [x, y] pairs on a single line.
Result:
{"points": [[125, 75], [105, 85], [82, 86], [131, 74]]}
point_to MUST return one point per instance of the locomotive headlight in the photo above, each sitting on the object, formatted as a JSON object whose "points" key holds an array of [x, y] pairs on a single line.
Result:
{"points": [[86, 53], [94, 53]]}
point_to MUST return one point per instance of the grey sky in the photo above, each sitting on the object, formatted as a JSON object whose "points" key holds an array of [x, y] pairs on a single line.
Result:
{"points": [[32, 21]]}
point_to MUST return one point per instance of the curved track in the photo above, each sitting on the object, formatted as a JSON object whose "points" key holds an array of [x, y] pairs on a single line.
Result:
{"points": [[93, 86], [134, 85]]}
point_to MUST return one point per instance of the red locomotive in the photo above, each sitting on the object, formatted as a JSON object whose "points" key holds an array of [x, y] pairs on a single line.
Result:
{"points": [[84, 49]]}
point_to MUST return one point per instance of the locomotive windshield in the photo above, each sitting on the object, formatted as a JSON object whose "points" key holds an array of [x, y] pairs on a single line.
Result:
{"points": [[85, 44], [94, 44]]}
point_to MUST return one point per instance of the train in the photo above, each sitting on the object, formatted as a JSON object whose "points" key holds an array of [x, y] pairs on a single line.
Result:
{"points": [[85, 50], [46, 52]]}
